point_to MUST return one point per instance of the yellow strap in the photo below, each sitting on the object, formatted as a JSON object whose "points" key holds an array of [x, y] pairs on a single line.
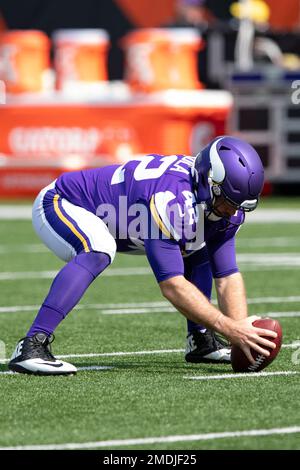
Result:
{"points": [[157, 219], [69, 224]]}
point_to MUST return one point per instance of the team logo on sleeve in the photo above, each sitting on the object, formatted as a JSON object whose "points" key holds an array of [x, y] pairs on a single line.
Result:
{"points": [[179, 219]]}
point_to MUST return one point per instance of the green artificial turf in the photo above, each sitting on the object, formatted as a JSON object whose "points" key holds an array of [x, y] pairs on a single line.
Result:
{"points": [[144, 395]]}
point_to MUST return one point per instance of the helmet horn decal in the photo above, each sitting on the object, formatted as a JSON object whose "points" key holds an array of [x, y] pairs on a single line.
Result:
{"points": [[249, 205], [217, 167]]}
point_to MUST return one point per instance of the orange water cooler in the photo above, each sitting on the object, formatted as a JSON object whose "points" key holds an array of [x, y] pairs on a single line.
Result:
{"points": [[24, 60], [162, 58], [80, 57]]}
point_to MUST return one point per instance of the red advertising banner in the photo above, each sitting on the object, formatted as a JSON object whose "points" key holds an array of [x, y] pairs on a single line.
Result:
{"points": [[43, 139]]}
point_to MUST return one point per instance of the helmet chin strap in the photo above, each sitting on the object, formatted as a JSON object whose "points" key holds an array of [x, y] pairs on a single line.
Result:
{"points": [[209, 214], [212, 216]]}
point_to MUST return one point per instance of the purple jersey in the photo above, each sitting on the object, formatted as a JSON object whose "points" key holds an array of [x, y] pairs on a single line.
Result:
{"points": [[149, 206]]}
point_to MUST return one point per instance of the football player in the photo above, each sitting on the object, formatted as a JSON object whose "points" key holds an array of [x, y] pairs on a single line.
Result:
{"points": [[183, 213]]}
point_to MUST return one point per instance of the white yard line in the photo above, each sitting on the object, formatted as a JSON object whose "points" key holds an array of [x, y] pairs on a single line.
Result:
{"points": [[160, 439], [280, 314], [9, 372], [138, 311], [257, 261], [127, 353], [274, 299], [270, 216], [115, 354], [254, 242], [29, 275], [143, 271], [294, 345], [237, 376], [262, 268], [15, 212], [141, 311], [19, 308], [151, 306], [23, 275], [282, 215], [267, 242], [286, 258], [27, 308], [95, 368], [26, 248]]}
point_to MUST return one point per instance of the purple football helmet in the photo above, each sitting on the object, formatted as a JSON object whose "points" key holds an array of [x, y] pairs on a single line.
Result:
{"points": [[231, 167]]}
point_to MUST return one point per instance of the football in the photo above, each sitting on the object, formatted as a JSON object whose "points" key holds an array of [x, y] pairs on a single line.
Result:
{"points": [[239, 361]]}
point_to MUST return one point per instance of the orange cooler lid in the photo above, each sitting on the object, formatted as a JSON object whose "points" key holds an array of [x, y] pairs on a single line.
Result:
{"points": [[81, 36], [186, 36], [28, 38]]}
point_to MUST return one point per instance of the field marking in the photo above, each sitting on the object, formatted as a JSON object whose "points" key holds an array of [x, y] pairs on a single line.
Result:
{"points": [[11, 276], [280, 314], [24, 275], [160, 439], [114, 354], [271, 300], [10, 372], [95, 368], [294, 345], [247, 262], [19, 308], [268, 216], [274, 259], [267, 242], [30, 248], [124, 353], [139, 271], [237, 376], [155, 304], [137, 311], [24, 212], [254, 242], [261, 268], [141, 311], [15, 212]]}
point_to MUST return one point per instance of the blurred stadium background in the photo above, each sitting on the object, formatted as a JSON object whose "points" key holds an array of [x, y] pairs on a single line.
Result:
{"points": [[85, 82], [97, 82]]}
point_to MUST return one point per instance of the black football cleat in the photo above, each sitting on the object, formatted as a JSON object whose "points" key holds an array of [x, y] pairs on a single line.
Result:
{"points": [[33, 356], [207, 347]]}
